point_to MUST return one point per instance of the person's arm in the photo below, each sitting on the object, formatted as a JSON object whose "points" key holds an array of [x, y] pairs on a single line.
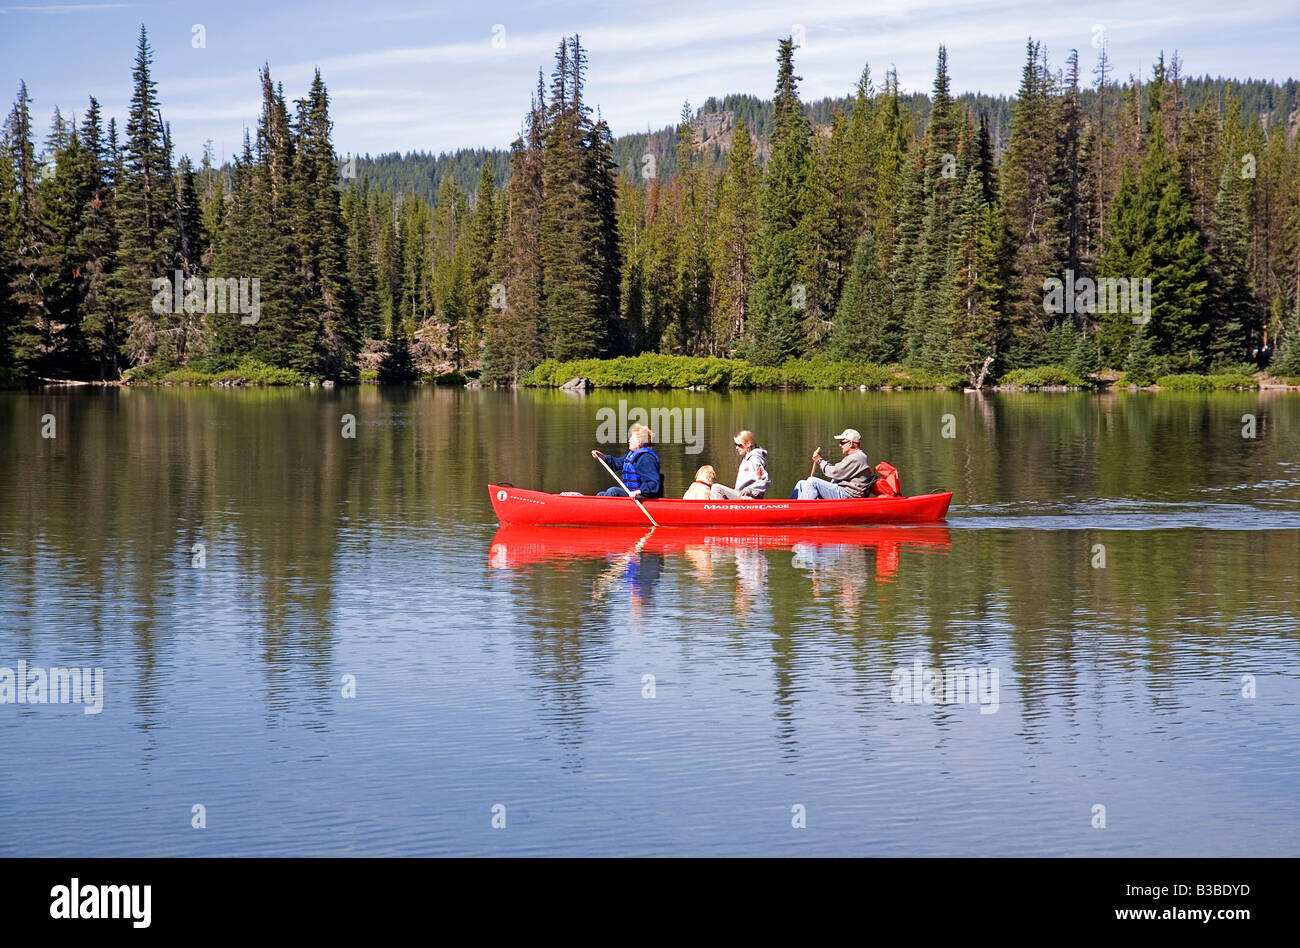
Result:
{"points": [[753, 480], [847, 468]]}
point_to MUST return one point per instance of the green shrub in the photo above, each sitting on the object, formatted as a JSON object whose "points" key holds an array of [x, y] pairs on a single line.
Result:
{"points": [[1043, 375], [10, 377], [1233, 380], [1224, 367], [454, 377], [1186, 382], [249, 369], [653, 370]]}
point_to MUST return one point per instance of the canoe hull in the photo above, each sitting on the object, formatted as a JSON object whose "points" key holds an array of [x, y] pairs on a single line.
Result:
{"points": [[515, 505]]}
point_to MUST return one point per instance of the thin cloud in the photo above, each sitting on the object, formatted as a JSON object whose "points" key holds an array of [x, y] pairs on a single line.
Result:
{"points": [[70, 8]]}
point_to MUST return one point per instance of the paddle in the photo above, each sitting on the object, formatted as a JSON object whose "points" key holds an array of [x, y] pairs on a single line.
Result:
{"points": [[624, 486], [813, 472]]}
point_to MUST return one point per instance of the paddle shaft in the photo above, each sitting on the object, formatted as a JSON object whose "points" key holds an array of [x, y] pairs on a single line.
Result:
{"points": [[628, 492], [813, 472]]}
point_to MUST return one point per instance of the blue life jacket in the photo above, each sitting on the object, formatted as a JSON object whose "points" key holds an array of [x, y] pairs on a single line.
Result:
{"points": [[630, 476]]}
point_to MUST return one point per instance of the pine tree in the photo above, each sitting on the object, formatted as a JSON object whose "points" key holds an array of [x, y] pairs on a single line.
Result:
{"points": [[779, 297], [190, 231], [602, 171], [689, 324], [363, 266], [96, 252], [1153, 236], [325, 294], [889, 135], [972, 286], [732, 256], [56, 270], [27, 331], [865, 327], [516, 332], [580, 280], [480, 254], [1037, 242], [8, 254], [927, 321], [1235, 315], [146, 218], [829, 227]]}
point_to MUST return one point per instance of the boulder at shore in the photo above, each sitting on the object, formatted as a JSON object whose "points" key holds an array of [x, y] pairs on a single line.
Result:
{"points": [[578, 383]]}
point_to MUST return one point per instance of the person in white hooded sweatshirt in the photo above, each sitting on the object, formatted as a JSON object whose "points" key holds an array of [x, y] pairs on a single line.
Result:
{"points": [[752, 480]]}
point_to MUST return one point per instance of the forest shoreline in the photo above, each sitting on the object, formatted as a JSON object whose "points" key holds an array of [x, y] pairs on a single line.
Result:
{"points": [[580, 384]]}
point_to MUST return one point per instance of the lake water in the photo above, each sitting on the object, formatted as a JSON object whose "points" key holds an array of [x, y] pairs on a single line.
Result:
{"points": [[1111, 606]]}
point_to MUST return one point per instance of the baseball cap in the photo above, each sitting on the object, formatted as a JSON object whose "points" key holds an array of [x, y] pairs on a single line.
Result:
{"points": [[849, 434]]}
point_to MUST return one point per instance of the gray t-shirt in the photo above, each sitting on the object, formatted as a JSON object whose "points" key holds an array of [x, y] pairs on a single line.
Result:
{"points": [[854, 473]]}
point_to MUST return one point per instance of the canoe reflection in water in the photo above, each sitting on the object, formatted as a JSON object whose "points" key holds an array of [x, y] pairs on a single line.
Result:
{"points": [[834, 555]]}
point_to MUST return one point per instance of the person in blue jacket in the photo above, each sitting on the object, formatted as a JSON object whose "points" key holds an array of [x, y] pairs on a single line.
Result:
{"points": [[639, 468]]}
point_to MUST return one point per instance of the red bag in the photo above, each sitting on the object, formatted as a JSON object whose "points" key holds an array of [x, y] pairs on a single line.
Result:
{"points": [[886, 484]]}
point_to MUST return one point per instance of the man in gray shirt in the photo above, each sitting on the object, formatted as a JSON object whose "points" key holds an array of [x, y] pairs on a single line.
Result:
{"points": [[851, 477]]}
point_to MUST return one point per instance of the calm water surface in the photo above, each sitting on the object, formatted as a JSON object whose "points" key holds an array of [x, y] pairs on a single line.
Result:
{"points": [[1126, 565]]}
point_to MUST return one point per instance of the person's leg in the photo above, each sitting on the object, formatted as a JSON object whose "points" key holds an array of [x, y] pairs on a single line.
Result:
{"points": [[612, 492], [723, 492], [806, 489], [825, 490]]}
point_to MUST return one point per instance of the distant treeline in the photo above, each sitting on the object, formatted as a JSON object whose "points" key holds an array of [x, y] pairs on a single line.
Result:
{"points": [[419, 173], [1153, 226]]}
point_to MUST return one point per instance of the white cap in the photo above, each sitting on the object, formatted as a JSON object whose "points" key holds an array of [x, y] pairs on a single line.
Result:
{"points": [[849, 434]]}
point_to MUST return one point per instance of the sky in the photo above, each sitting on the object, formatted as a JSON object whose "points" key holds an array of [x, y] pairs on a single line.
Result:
{"points": [[405, 76]]}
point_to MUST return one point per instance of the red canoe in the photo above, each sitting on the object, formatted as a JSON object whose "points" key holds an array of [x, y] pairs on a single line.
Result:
{"points": [[515, 505]]}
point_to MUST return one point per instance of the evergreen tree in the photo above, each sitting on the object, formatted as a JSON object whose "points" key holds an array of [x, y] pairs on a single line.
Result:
{"points": [[779, 297], [1153, 236], [146, 218], [1037, 242], [732, 255], [1235, 316], [927, 321], [481, 251], [9, 200], [889, 135], [972, 287], [326, 307], [363, 266], [516, 331], [27, 331], [689, 323], [579, 276], [865, 328], [92, 251]]}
